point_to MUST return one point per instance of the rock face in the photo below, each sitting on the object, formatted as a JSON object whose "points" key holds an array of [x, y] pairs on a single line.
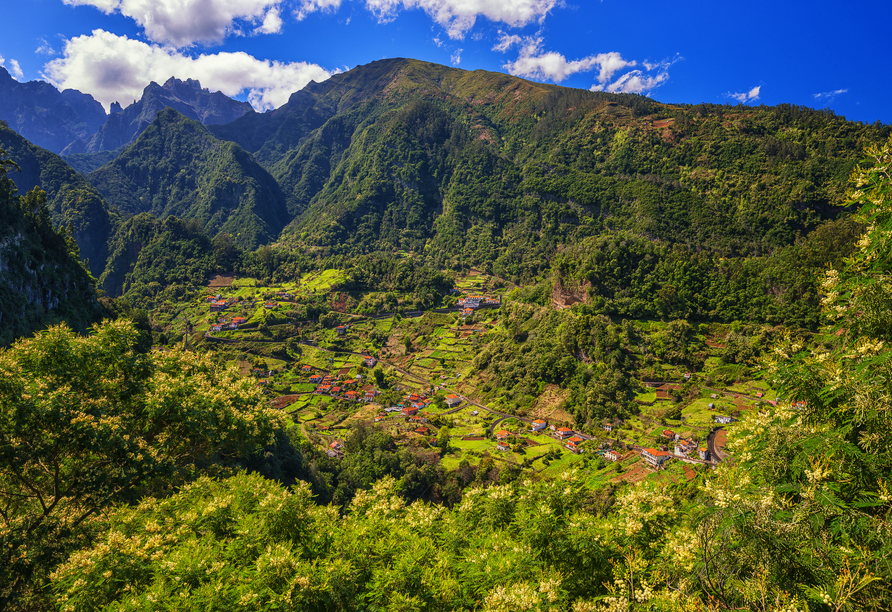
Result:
{"points": [[47, 117], [186, 97]]}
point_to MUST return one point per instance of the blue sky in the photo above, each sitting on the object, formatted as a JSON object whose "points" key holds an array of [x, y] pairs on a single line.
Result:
{"points": [[817, 54]]}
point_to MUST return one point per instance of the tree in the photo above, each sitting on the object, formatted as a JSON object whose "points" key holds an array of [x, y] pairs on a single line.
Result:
{"points": [[88, 421], [443, 439]]}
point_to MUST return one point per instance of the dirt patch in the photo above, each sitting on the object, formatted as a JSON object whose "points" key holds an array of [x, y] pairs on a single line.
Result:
{"points": [[473, 438], [221, 280], [564, 297], [547, 405], [283, 401], [244, 368], [344, 371], [339, 303]]}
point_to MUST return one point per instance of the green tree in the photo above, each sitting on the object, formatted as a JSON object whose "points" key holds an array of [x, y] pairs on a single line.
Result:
{"points": [[443, 439], [88, 421]]}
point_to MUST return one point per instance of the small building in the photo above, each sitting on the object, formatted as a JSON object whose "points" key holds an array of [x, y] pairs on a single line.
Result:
{"points": [[573, 446], [271, 305], [409, 411], [502, 445], [335, 391], [218, 306], [423, 431], [703, 453], [655, 458], [239, 321], [316, 379], [341, 329], [306, 369], [452, 400], [351, 395], [608, 427], [380, 418], [502, 434], [687, 376], [564, 432], [612, 455], [474, 413], [216, 328], [369, 361], [722, 419], [539, 425], [336, 449], [669, 434]]}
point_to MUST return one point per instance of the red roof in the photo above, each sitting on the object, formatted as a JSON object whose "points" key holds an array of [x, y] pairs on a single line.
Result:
{"points": [[575, 440], [564, 429]]}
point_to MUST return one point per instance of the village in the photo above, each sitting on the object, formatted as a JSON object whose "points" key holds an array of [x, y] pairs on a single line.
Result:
{"points": [[364, 368]]}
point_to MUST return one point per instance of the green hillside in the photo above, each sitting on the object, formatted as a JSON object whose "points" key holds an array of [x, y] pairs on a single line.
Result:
{"points": [[42, 279], [485, 169], [71, 199], [176, 167]]}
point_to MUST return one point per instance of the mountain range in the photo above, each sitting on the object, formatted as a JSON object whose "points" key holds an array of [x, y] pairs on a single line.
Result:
{"points": [[461, 168]]}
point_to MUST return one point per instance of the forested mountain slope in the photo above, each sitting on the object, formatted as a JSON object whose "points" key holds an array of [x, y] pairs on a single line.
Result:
{"points": [[177, 168], [71, 199], [488, 169], [42, 279]]}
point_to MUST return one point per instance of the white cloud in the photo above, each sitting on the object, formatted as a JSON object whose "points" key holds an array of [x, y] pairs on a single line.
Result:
{"points": [[182, 23], [829, 95], [506, 41], [459, 16], [14, 68], [437, 41], [272, 23], [746, 96], [455, 58], [634, 81], [115, 68], [311, 6], [45, 49], [533, 63]]}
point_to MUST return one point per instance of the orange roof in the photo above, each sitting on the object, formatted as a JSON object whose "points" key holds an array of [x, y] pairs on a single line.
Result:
{"points": [[657, 453], [537, 421], [564, 429], [576, 439]]}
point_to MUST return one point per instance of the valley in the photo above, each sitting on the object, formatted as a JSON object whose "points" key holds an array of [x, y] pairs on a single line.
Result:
{"points": [[412, 374]]}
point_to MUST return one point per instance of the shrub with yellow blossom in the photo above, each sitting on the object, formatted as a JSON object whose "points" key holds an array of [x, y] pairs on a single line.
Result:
{"points": [[87, 421]]}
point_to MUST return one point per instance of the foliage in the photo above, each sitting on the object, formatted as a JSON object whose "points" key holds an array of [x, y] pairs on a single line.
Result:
{"points": [[88, 421], [246, 541], [808, 508]]}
